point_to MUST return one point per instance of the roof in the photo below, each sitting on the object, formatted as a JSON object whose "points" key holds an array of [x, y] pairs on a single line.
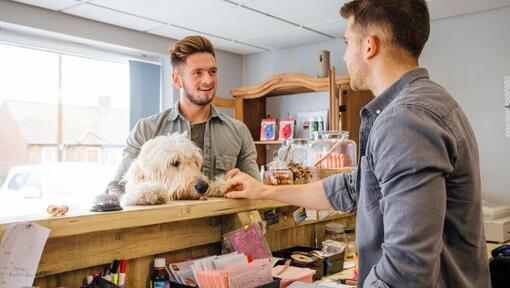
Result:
{"points": [[83, 125]]}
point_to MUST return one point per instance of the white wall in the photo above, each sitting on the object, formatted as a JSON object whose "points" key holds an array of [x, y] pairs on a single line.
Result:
{"points": [[96, 33], [303, 59], [469, 55]]}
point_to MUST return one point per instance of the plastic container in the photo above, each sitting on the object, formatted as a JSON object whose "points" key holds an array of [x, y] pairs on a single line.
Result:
{"points": [[278, 173], [160, 277]]}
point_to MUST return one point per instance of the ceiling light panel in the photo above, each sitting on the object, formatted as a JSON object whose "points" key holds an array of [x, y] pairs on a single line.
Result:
{"points": [[302, 12], [52, 5], [218, 43], [227, 20], [293, 37], [335, 28], [113, 17], [167, 11]]}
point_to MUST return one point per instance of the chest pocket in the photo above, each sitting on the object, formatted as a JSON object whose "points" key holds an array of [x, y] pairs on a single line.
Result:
{"points": [[223, 164], [370, 191]]}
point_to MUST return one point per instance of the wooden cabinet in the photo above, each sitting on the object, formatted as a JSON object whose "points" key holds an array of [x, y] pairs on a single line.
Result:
{"points": [[344, 103]]}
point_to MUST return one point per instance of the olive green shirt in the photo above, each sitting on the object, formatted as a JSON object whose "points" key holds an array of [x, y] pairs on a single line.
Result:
{"points": [[227, 143], [197, 134]]}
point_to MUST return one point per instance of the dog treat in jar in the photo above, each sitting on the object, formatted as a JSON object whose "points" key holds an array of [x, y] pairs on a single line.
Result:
{"points": [[278, 173]]}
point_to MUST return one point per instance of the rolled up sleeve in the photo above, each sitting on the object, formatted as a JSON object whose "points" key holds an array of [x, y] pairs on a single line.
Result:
{"points": [[341, 191]]}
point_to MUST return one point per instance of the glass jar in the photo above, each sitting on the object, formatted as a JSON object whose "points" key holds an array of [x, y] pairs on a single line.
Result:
{"points": [[336, 232], [351, 242], [335, 149], [298, 154], [278, 173]]}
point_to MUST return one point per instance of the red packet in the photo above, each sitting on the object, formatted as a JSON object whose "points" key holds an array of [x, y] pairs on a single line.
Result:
{"points": [[248, 240], [286, 130]]}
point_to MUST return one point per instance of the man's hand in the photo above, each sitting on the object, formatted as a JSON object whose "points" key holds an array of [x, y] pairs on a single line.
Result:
{"points": [[242, 185]]}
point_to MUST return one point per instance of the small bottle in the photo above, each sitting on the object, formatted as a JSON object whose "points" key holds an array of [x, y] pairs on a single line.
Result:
{"points": [[160, 277], [321, 124], [84, 284], [313, 126]]}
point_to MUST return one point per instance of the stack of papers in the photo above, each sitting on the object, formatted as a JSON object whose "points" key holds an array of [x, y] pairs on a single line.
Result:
{"points": [[230, 270]]}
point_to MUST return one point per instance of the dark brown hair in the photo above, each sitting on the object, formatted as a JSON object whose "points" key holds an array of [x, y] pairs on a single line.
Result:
{"points": [[408, 21], [187, 46]]}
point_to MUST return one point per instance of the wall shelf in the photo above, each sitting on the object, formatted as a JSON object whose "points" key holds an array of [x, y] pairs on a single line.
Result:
{"points": [[340, 96]]}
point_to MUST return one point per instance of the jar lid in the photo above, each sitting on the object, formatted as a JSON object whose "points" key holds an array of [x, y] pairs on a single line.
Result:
{"points": [[349, 229], [300, 141], [333, 134], [335, 227], [277, 164]]}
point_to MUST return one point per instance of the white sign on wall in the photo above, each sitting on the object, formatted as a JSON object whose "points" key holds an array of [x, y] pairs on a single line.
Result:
{"points": [[507, 106]]}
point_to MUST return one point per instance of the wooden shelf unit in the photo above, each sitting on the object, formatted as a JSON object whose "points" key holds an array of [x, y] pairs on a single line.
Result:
{"points": [[344, 103]]}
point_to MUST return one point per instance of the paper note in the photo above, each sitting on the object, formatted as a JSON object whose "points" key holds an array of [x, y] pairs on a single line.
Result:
{"points": [[250, 241], [250, 275], [20, 251]]}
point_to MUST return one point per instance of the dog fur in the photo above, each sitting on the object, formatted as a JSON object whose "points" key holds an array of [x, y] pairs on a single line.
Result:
{"points": [[168, 168]]}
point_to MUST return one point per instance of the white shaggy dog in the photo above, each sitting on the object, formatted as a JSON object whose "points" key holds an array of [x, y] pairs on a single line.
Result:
{"points": [[168, 168]]}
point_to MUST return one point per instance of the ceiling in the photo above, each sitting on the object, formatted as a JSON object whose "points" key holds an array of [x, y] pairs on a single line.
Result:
{"points": [[239, 26]]}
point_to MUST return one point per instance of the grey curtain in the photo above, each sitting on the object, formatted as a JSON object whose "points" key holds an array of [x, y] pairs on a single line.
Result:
{"points": [[144, 90]]}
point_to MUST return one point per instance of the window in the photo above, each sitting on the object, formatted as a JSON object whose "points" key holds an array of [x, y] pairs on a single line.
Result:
{"points": [[49, 154], [56, 110]]}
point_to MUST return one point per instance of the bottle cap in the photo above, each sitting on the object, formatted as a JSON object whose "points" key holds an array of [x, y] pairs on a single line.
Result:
{"points": [[159, 263]]}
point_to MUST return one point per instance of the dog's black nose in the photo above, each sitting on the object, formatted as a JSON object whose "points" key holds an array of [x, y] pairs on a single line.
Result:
{"points": [[201, 187]]}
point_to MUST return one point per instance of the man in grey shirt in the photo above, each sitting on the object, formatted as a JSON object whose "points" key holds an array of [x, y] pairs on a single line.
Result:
{"points": [[226, 143], [417, 188]]}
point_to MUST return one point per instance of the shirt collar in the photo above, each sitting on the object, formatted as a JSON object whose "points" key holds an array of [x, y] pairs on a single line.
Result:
{"points": [[386, 97], [176, 112]]}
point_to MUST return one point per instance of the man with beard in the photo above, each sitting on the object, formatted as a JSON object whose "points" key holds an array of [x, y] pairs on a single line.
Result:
{"points": [[226, 143], [417, 188]]}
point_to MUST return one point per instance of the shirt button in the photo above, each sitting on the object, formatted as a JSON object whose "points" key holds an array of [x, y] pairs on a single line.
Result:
{"points": [[378, 111]]}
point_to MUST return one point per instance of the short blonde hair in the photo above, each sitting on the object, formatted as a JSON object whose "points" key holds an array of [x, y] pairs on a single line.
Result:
{"points": [[187, 46]]}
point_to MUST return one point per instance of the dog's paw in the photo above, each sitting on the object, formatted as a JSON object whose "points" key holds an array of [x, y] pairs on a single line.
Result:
{"points": [[146, 194], [216, 187]]}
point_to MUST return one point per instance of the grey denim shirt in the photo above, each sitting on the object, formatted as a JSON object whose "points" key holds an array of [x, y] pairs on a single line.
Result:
{"points": [[416, 191], [227, 143]]}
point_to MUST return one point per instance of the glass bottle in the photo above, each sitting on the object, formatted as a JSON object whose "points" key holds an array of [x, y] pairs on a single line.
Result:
{"points": [[160, 277]]}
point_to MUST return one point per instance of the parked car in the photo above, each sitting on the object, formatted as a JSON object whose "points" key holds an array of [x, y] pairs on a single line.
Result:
{"points": [[29, 189]]}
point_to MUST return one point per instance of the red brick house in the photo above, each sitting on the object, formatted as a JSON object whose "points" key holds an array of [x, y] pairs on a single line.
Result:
{"points": [[28, 133]]}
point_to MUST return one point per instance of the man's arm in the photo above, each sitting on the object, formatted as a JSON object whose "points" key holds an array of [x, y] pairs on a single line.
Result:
{"points": [[319, 195], [134, 142], [242, 185], [247, 158], [411, 158]]}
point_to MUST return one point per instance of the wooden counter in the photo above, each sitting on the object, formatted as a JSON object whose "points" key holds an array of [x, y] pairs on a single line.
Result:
{"points": [[82, 243]]}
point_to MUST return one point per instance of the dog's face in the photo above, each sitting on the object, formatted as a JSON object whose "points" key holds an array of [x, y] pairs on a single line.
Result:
{"points": [[174, 162]]}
